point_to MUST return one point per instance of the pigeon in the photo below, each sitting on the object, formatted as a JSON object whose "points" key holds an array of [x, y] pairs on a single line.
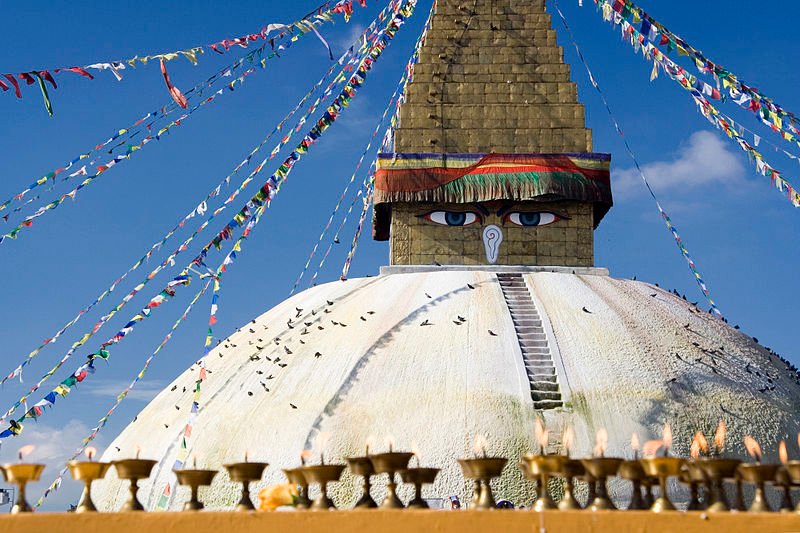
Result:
{"points": [[492, 333], [457, 323], [277, 359], [336, 240], [263, 385], [317, 355], [329, 302], [653, 295], [260, 372], [184, 389], [289, 324], [166, 426], [673, 380], [307, 324], [249, 393], [250, 343], [173, 388], [255, 358], [293, 406], [320, 327], [253, 321], [736, 326], [426, 323], [267, 358], [260, 340], [287, 350], [327, 311], [302, 341], [586, 310], [259, 348], [282, 365], [437, 263], [270, 377], [343, 324], [362, 318], [251, 330], [304, 332], [177, 408], [747, 369], [334, 323], [226, 346], [471, 286], [428, 295], [370, 312], [313, 312], [461, 318], [233, 345], [299, 312], [755, 340]]}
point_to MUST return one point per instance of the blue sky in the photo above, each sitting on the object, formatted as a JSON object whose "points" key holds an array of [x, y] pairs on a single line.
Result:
{"points": [[739, 229]]}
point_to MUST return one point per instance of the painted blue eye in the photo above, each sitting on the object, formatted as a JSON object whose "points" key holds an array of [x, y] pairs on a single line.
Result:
{"points": [[530, 219], [452, 218]]}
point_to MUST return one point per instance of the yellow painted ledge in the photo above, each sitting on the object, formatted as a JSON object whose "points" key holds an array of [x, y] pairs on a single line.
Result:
{"points": [[402, 522]]}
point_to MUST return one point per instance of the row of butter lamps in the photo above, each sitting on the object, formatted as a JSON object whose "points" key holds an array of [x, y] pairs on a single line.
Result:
{"points": [[710, 472]]}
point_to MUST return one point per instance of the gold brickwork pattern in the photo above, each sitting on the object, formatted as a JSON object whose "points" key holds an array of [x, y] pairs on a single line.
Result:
{"points": [[491, 78], [569, 242]]}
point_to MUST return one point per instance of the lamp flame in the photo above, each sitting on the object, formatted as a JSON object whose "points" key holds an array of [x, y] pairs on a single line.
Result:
{"points": [[321, 443], [541, 435], [719, 436], [635, 445], [601, 442], [90, 452], [667, 436], [370, 443], [694, 449], [305, 455], [783, 453], [651, 447], [480, 444], [25, 450], [568, 439], [753, 448], [389, 440], [415, 451], [138, 450]]}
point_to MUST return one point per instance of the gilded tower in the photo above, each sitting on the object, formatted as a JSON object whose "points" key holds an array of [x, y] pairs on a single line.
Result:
{"points": [[492, 161]]}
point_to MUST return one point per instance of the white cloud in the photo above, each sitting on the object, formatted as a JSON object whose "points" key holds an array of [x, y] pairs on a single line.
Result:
{"points": [[704, 159], [53, 447], [143, 392], [344, 42]]}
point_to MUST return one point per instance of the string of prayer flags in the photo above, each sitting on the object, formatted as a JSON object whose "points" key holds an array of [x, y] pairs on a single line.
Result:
{"points": [[200, 210], [119, 399], [183, 450], [653, 33], [321, 15], [66, 386], [173, 91], [667, 221], [272, 186], [252, 208], [700, 93]]}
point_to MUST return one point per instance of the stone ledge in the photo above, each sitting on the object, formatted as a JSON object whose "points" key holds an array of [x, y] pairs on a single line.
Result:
{"points": [[402, 522], [413, 269]]}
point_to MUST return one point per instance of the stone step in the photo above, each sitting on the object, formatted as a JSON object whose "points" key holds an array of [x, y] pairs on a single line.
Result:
{"points": [[537, 356], [543, 405], [534, 343], [528, 328], [545, 395], [532, 337], [544, 386], [536, 351], [541, 378], [536, 370], [532, 334], [529, 322]]}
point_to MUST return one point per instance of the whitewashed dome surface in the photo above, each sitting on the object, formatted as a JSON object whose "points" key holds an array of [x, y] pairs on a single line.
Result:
{"points": [[366, 366]]}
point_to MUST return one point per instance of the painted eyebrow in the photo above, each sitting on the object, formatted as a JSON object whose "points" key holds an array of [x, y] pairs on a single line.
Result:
{"points": [[482, 209]]}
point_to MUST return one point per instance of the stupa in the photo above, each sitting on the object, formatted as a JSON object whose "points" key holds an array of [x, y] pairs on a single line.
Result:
{"points": [[490, 313]]}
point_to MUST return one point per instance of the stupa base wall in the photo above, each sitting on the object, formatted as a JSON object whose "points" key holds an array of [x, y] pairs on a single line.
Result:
{"points": [[401, 522]]}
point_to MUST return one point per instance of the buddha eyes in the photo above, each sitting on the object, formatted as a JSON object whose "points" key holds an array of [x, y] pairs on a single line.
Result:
{"points": [[453, 218], [530, 219], [527, 219]]}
